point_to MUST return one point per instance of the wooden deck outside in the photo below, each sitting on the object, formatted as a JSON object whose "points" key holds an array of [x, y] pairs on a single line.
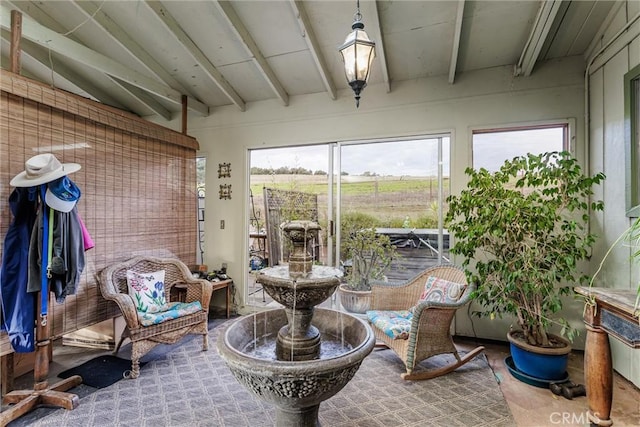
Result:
{"points": [[418, 250]]}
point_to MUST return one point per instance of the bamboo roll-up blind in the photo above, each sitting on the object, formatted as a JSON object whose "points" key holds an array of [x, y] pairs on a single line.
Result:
{"points": [[137, 181]]}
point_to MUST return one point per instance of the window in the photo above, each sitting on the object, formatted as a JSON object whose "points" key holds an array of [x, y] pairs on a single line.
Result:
{"points": [[491, 147], [632, 140]]}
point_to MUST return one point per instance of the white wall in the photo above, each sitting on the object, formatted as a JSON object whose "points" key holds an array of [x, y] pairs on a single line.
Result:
{"points": [[487, 97], [607, 154]]}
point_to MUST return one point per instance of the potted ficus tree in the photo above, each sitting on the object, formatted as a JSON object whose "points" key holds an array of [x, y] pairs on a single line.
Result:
{"points": [[522, 231], [369, 255]]}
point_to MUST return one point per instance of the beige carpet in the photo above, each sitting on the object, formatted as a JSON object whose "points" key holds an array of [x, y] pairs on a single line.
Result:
{"points": [[184, 386]]}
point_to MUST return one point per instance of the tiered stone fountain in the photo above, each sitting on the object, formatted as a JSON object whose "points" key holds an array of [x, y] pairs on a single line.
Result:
{"points": [[298, 356]]}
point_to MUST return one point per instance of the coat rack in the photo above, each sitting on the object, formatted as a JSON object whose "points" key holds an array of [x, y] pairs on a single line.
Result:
{"points": [[42, 394]]}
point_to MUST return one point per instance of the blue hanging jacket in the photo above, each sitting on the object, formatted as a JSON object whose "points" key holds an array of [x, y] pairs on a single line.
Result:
{"points": [[18, 305]]}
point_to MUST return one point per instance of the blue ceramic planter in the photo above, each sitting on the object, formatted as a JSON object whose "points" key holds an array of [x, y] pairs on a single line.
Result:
{"points": [[544, 364]]}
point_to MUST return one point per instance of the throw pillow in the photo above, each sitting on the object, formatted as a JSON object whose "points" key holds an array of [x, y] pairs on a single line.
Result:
{"points": [[147, 291], [175, 310], [441, 290], [395, 324]]}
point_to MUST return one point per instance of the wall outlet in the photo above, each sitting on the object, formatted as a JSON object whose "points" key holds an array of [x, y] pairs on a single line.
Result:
{"points": [[222, 224]]}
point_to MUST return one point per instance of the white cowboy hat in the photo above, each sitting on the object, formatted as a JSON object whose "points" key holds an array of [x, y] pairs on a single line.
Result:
{"points": [[41, 169]]}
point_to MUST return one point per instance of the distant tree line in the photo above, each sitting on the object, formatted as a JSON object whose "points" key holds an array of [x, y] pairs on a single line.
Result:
{"points": [[285, 170]]}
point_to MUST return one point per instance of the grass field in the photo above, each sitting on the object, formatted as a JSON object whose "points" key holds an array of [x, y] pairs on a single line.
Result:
{"points": [[389, 199]]}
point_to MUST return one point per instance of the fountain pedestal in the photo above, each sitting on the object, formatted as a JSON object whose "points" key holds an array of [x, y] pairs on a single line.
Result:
{"points": [[299, 339]]}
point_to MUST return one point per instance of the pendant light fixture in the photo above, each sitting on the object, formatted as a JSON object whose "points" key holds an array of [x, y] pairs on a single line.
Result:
{"points": [[357, 53]]}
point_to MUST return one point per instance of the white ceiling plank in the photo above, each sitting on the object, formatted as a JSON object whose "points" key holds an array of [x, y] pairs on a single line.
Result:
{"points": [[68, 48], [456, 42], [380, 52], [143, 97], [196, 53], [314, 46], [117, 34], [542, 25], [238, 27], [38, 54]]}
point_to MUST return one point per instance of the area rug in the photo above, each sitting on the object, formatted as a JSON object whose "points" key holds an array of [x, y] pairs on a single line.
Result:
{"points": [[185, 386], [101, 371]]}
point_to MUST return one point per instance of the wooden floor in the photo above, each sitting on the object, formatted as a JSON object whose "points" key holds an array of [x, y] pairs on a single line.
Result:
{"points": [[413, 260]]}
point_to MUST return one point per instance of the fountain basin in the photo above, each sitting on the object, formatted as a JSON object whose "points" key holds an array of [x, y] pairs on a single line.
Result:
{"points": [[296, 388], [308, 291]]}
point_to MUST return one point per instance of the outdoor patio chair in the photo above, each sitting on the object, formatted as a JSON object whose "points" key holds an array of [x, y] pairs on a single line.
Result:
{"points": [[147, 329], [414, 318]]}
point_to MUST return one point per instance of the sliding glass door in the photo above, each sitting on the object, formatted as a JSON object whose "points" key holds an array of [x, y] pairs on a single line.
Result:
{"points": [[399, 187]]}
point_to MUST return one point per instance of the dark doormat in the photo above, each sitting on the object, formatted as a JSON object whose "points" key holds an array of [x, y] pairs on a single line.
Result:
{"points": [[101, 372]]}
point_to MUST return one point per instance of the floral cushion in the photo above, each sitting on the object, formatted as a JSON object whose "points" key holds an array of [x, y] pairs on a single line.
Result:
{"points": [[147, 291], [395, 324], [175, 310], [440, 290]]}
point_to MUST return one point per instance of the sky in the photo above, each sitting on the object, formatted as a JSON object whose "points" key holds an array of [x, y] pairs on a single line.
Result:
{"points": [[413, 157]]}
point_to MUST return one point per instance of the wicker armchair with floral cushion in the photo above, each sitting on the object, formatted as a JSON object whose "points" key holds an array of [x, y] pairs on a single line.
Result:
{"points": [[150, 315], [414, 318]]}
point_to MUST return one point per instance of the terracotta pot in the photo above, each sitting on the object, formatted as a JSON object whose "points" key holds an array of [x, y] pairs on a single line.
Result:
{"points": [[354, 301], [540, 362]]}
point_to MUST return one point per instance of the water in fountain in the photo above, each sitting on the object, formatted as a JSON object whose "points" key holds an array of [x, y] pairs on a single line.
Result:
{"points": [[298, 356]]}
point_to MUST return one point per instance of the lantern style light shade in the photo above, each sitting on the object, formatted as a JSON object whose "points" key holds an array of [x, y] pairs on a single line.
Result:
{"points": [[357, 52]]}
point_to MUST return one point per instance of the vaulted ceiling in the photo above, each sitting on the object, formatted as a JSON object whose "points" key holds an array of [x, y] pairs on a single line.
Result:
{"points": [[145, 56]]}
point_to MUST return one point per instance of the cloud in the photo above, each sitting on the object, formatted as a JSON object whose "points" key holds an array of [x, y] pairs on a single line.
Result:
{"points": [[417, 157], [409, 158]]}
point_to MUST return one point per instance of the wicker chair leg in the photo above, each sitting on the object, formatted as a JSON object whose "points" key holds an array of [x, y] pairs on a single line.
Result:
{"points": [[425, 375], [205, 342], [117, 349], [135, 368]]}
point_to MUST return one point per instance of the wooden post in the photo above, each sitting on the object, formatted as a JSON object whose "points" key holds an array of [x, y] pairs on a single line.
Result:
{"points": [[598, 369], [185, 102], [6, 373], [16, 35]]}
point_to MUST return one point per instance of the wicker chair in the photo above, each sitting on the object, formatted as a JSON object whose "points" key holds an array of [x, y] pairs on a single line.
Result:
{"points": [[113, 285], [429, 334]]}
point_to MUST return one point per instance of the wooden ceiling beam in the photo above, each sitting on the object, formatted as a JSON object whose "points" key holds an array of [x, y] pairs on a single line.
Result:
{"points": [[184, 39], [539, 31], [455, 49], [75, 51], [380, 51], [314, 47], [120, 36], [239, 29], [38, 54], [143, 97]]}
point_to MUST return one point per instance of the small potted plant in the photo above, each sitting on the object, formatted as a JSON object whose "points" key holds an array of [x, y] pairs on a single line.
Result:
{"points": [[522, 232], [370, 255]]}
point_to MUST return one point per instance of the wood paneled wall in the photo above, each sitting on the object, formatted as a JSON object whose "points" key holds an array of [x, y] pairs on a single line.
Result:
{"points": [[137, 180]]}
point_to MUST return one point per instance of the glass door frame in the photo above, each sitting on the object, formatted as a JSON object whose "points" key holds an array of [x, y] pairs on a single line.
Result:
{"points": [[338, 163]]}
